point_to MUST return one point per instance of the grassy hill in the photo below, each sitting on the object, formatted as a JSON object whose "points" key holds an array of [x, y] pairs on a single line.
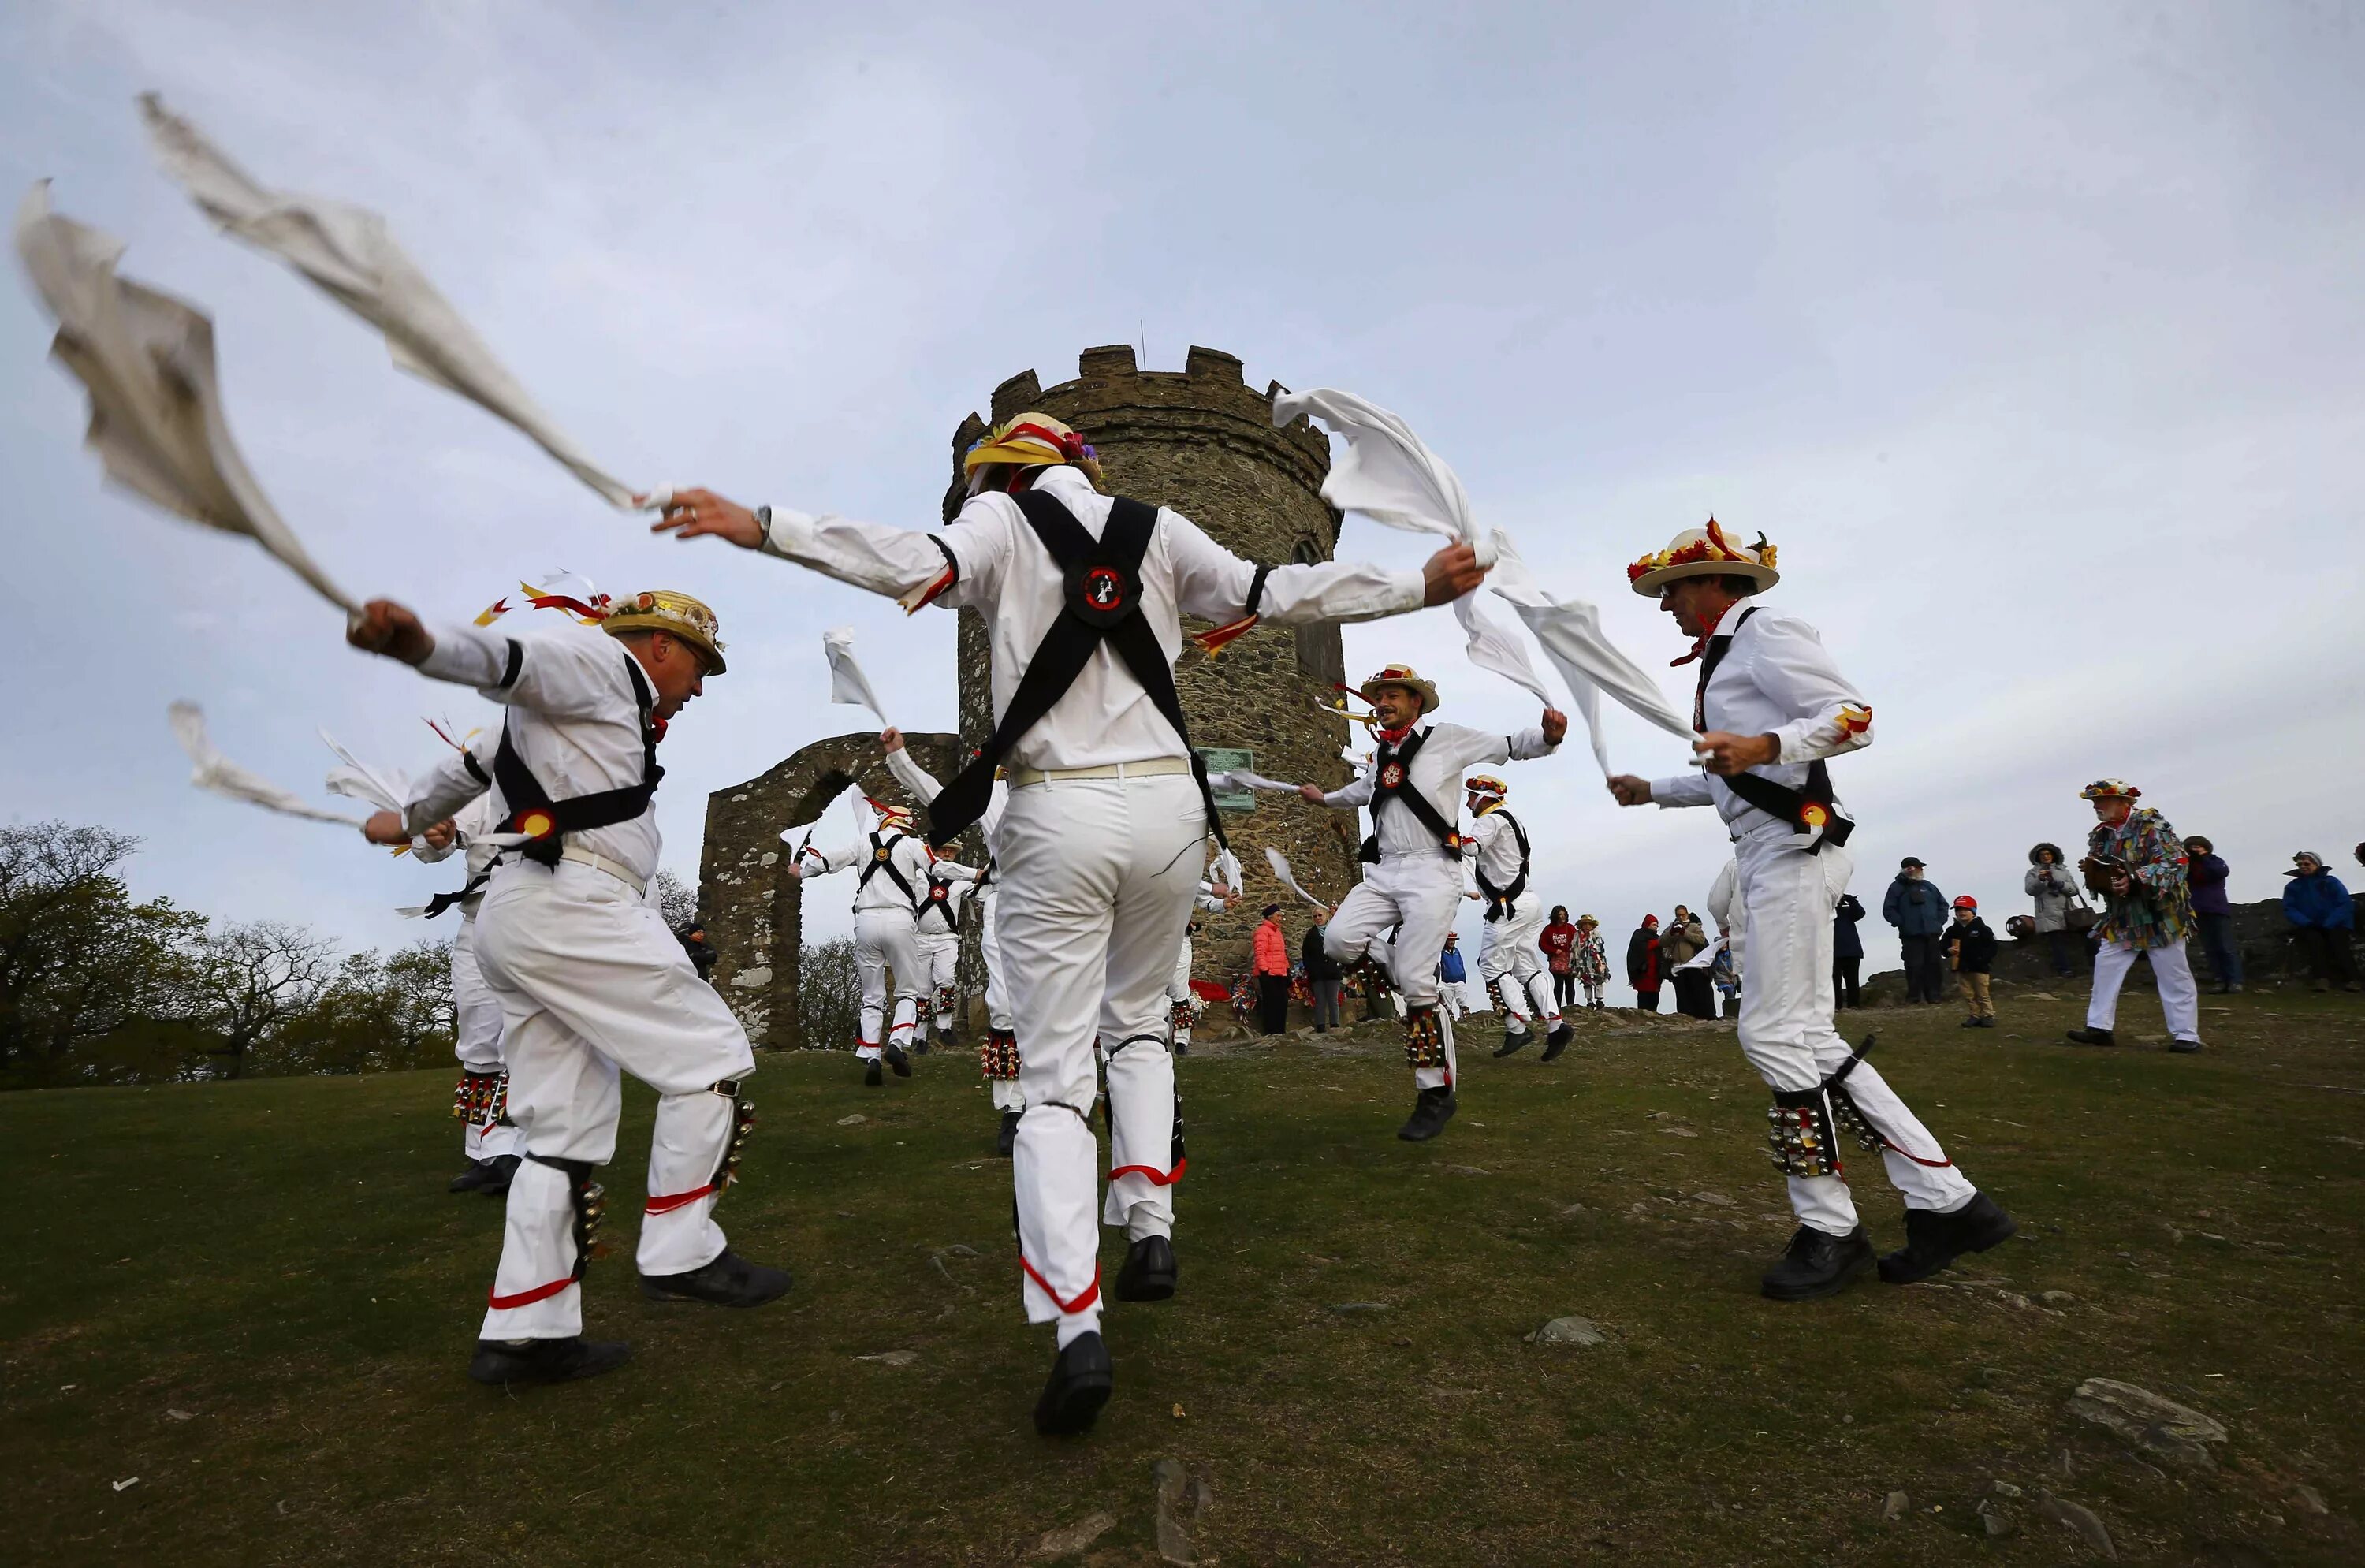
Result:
{"points": [[257, 1299]]}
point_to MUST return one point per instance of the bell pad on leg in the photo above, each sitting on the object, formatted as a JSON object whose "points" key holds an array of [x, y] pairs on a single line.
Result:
{"points": [[481, 1099], [1424, 1039], [998, 1056], [1800, 1140], [590, 1207], [1494, 998], [743, 1123]]}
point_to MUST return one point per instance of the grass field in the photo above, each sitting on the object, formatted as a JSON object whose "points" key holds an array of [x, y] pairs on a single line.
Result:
{"points": [[257, 1299]]}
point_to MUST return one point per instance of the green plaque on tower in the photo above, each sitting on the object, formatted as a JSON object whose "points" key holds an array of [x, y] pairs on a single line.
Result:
{"points": [[1223, 759]]}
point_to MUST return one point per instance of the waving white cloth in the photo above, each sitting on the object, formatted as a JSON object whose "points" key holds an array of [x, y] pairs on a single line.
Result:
{"points": [[1240, 777], [1390, 476], [385, 789], [847, 684], [1279, 864], [1228, 870], [349, 253], [147, 360], [219, 773]]}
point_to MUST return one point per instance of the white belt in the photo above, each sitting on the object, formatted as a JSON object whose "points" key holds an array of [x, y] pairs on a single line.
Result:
{"points": [[1156, 768], [615, 869]]}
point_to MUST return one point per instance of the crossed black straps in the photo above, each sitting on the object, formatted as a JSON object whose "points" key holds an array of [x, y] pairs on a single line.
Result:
{"points": [[941, 902], [546, 821], [1102, 594], [1500, 900], [882, 859], [1778, 800], [1392, 780]]}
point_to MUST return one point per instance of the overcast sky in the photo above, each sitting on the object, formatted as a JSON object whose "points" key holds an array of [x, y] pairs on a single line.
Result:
{"points": [[2031, 334]]}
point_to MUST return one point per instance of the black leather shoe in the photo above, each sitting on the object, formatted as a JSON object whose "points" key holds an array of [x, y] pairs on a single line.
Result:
{"points": [[471, 1179], [898, 1060], [1149, 1271], [919, 1048], [1511, 1042], [1970, 1023], [2184, 1047], [1007, 1144], [1817, 1264], [871, 1077], [1430, 1113], [1557, 1041], [500, 1172], [1933, 1241], [729, 1280], [2083, 1036], [1080, 1386], [504, 1362]]}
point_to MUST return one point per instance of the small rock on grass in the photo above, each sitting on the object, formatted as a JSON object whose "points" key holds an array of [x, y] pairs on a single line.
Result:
{"points": [[2079, 1517], [1897, 1506], [892, 1358], [1360, 1306], [2311, 1499], [1568, 1331], [2160, 1427], [855, 1120], [1717, 1200], [2058, 1298], [1999, 1523], [1068, 1540], [1173, 1492]]}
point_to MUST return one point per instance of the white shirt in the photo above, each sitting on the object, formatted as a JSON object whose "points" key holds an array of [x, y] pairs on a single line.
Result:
{"points": [[1448, 753], [906, 851], [572, 717], [1493, 847], [1005, 573], [1776, 679]]}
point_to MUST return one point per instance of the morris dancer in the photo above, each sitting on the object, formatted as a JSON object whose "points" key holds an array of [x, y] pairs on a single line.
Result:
{"points": [[1413, 879], [1101, 843], [937, 929], [2135, 860], [1182, 1002], [1771, 706], [1496, 847], [896, 863], [489, 1138], [588, 978]]}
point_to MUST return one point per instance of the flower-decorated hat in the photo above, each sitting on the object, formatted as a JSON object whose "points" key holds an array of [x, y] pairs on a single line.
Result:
{"points": [[677, 614], [1487, 784], [2105, 789], [1586, 920], [1406, 677], [1704, 552], [1027, 440]]}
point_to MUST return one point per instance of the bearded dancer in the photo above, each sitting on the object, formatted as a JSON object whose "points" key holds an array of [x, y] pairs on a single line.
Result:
{"points": [[589, 979], [1771, 706], [1413, 858], [1496, 847], [488, 1139], [896, 864], [1101, 843]]}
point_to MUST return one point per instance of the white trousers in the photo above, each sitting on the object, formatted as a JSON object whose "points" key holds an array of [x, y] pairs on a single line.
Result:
{"points": [[1509, 958], [1097, 880], [2179, 999], [885, 939], [1787, 1034], [1179, 993], [939, 953], [1418, 895], [476, 1041], [1454, 996], [591, 981]]}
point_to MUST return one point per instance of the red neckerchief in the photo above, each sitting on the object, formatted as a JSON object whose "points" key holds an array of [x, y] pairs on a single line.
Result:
{"points": [[1394, 737], [1699, 645]]}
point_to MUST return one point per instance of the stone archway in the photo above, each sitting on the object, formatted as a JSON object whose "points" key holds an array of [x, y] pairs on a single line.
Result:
{"points": [[754, 913]]}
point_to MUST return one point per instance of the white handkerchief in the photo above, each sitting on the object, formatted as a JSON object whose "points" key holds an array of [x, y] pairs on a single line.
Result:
{"points": [[847, 684], [217, 773], [388, 788], [1279, 864]]}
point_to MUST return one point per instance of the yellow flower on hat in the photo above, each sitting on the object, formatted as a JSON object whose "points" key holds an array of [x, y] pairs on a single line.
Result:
{"points": [[1406, 677], [1704, 552], [677, 614]]}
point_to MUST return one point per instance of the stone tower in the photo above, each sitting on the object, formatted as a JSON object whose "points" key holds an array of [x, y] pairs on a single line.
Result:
{"points": [[1203, 442]]}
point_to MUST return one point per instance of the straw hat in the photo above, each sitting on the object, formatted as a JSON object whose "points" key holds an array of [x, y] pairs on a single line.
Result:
{"points": [[1027, 440], [677, 614], [1487, 784], [1704, 552], [1406, 677], [2104, 789]]}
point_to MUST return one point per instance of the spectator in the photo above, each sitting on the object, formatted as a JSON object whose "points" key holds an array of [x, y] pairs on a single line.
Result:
{"points": [[1685, 940], [1558, 943], [1847, 954], [701, 952], [2207, 874], [1971, 943], [2322, 918], [1453, 977], [1642, 964], [2054, 887], [1322, 974], [1271, 952], [1591, 962], [1918, 910]]}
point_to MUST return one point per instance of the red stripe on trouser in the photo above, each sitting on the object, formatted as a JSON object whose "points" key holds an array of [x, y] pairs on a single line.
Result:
{"points": [[1163, 1178], [1091, 1295], [672, 1201], [1933, 1164], [527, 1298]]}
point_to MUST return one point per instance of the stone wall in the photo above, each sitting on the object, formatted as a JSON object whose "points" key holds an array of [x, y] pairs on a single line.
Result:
{"points": [[1202, 442], [753, 912]]}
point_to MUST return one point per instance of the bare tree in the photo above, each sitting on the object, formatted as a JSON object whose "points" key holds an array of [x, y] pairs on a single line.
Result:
{"points": [[829, 996], [676, 901], [249, 981]]}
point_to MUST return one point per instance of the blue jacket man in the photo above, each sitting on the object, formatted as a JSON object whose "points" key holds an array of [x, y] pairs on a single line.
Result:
{"points": [[2321, 916], [1919, 911]]}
